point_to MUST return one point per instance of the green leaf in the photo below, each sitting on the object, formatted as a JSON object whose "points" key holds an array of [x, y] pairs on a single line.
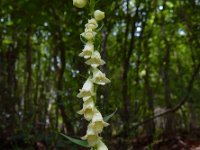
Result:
{"points": [[7, 41], [109, 116], [9, 23], [76, 141]]}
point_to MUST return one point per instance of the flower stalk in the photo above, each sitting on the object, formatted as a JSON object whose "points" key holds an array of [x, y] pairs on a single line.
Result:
{"points": [[88, 93]]}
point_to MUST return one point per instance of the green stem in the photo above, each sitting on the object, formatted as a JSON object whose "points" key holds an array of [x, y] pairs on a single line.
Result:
{"points": [[92, 6]]}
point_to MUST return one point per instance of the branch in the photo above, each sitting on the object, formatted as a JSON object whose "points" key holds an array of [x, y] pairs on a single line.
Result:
{"points": [[182, 102]]}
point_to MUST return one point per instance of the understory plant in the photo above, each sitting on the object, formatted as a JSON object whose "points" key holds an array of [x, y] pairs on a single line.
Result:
{"points": [[88, 93]]}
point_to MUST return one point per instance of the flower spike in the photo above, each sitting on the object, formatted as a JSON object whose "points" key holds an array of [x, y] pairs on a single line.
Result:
{"points": [[88, 92]]}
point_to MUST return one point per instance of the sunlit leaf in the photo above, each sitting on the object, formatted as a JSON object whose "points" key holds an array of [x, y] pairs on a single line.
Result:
{"points": [[9, 23], [7, 41]]}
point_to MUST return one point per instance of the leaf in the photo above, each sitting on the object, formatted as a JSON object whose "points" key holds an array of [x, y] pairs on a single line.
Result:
{"points": [[9, 23], [7, 41], [100, 28], [76, 141], [109, 116]]}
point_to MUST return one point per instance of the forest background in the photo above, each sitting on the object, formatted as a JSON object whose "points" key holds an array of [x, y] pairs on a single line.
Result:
{"points": [[152, 54]]}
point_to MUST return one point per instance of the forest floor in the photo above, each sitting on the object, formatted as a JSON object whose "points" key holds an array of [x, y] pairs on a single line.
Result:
{"points": [[178, 140]]}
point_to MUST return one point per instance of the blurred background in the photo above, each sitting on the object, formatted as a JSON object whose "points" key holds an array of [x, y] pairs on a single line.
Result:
{"points": [[152, 54]]}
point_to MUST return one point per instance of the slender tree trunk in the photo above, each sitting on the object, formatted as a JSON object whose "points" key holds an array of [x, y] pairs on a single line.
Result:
{"points": [[60, 49], [149, 97], [165, 69], [28, 105], [126, 65]]}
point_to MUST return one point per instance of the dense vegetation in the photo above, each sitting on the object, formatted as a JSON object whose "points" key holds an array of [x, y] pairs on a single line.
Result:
{"points": [[152, 54]]}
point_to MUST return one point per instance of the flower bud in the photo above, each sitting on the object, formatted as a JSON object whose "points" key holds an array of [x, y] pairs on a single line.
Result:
{"points": [[92, 24], [93, 21], [79, 3], [99, 15]]}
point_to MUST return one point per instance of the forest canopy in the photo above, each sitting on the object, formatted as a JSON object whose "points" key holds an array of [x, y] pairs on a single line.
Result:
{"points": [[152, 54]]}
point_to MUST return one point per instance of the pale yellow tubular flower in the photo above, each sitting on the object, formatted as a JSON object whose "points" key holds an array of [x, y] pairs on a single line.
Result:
{"points": [[99, 77], [93, 21], [97, 123], [88, 93], [95, 60], [92, 24], [87, 98], [88, 109], [89, 34], [87, 90], [80, 3], [99, 15], [88, 50], [91, 137], [101, 146]]}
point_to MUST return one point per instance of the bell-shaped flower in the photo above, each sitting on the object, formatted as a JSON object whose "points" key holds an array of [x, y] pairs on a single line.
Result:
{"points": [[99, 15], [95, 60], [99, 77], [87, 98], [87, 51], [101, 146], [79, 3], [93, 21], [92, 24], [88, 109], [97, 123], [89, 34], [87, 90], [91, 137]]}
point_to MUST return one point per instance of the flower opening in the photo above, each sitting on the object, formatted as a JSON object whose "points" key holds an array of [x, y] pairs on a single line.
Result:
{"points": [[95, 60], [87, 51], [99, 77], [87, 90]]}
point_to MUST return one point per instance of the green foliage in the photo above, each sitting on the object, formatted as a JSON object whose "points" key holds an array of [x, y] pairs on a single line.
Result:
{"points": [[150, 52], [106, 118], [77, 141]]}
